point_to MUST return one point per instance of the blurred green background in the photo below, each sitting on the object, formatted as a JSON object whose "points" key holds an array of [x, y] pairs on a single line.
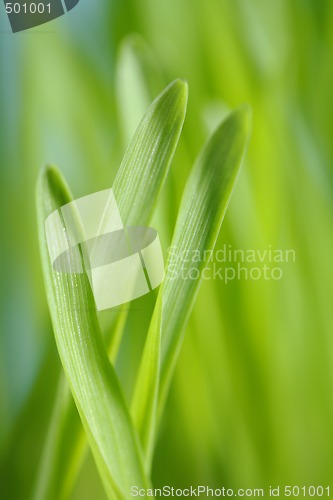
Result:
{"points": [[251, 404]]}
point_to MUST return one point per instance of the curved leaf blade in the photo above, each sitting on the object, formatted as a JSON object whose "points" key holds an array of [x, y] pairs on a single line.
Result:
{"points": [[166, 116], [91, 377], [205, 201]]}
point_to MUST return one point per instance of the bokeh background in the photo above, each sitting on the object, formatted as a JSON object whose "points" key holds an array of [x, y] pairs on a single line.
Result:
{"points": [[251, 404]]}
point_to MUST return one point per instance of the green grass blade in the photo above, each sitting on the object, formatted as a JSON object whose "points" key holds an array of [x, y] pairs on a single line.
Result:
{"points": [[202, 210], [165, 115], [64, 448], [204, 204], [91, 377], [145, 166], [146, 161], [28, 434], [138, 81], [144, 402]]}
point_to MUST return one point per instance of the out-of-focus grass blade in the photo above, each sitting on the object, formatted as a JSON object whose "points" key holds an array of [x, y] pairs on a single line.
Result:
{"points": [[22, 450], [64, 448], [204, 204], [92, 380], [138, 81], [149, 156]]}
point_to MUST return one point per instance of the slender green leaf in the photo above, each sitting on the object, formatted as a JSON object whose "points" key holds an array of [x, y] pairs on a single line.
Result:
{"points": [[91, 377], [146, 161], [144, 403], [64, 448], [138, 80], [148, 157], [28, 433], [203, 207]]}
